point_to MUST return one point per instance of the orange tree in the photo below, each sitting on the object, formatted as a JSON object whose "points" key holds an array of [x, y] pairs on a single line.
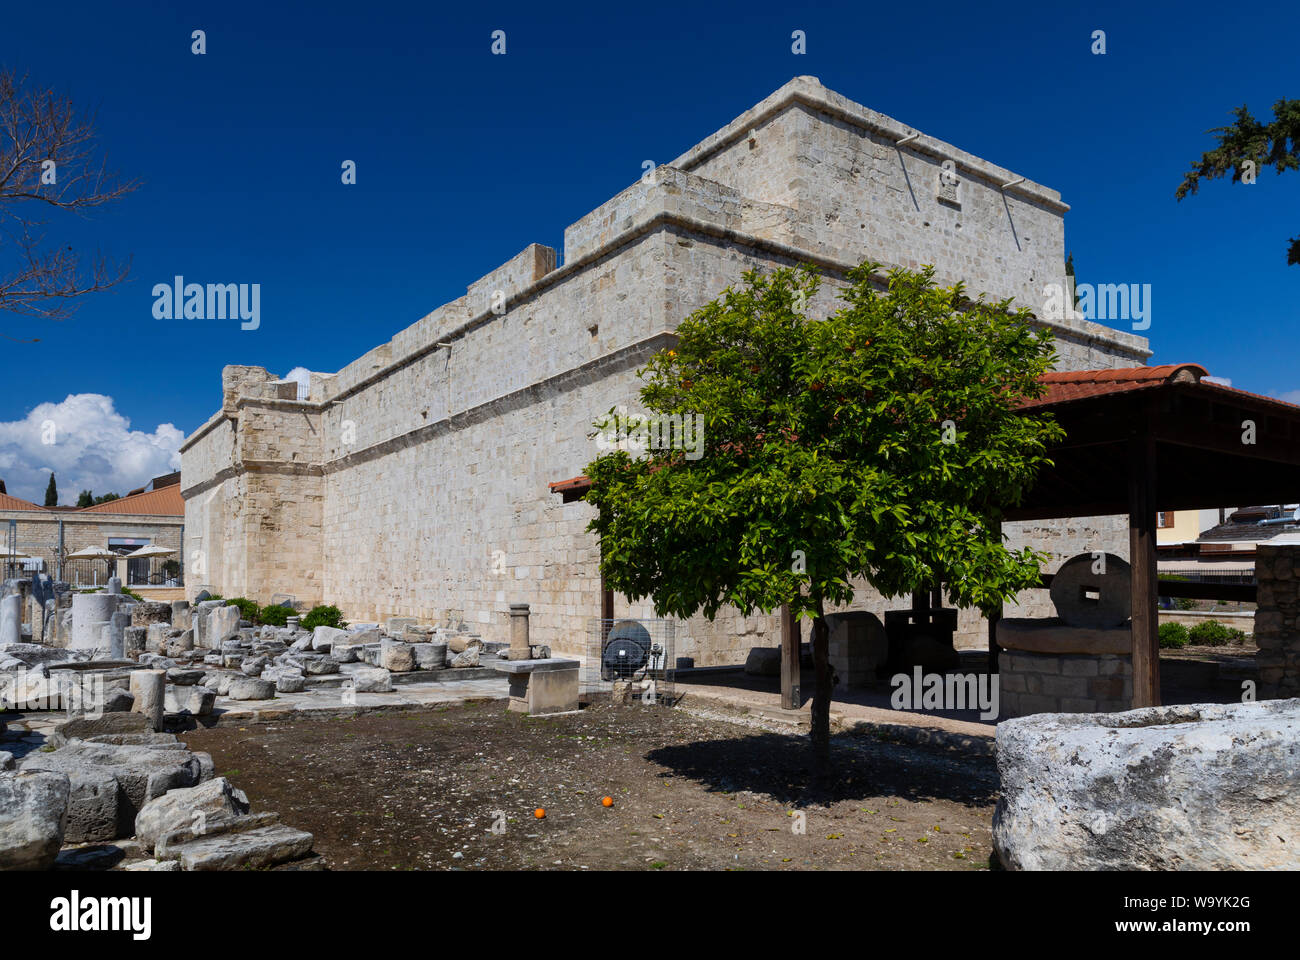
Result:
{"points": [[878, 444]]}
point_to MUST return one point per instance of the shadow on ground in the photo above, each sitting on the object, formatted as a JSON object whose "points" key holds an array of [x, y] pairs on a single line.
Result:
{"points": [[781, 766]]}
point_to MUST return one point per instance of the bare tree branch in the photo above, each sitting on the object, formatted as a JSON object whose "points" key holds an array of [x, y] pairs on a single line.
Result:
{"points": [[49, 160]]}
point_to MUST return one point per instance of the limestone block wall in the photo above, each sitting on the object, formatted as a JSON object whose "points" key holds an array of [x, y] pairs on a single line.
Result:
{"points": [[810, 148], [414, 481], [1063, 683], [1277, 619]]}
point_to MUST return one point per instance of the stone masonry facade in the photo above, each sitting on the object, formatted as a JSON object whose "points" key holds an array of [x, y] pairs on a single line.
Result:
{"points": [[1277, 619], [413, 482], [1063, 683]]}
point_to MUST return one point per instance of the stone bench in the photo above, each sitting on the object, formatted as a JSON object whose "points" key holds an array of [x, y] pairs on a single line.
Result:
{"points": [[540, 687]]}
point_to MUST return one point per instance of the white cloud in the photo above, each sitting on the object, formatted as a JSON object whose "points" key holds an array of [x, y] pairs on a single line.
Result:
{"points": [[1291, 396], [93, 448]]}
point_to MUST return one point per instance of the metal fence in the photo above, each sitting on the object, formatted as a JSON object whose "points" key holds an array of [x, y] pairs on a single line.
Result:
{"points": [[641, 653], [83, 572]]}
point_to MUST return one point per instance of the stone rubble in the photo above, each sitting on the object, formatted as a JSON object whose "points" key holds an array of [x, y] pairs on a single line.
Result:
{"points": [[115, 776]]}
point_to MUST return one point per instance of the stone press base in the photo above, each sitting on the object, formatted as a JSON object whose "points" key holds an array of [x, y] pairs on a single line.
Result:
{"points": [[1063, 683], [541, 687]]}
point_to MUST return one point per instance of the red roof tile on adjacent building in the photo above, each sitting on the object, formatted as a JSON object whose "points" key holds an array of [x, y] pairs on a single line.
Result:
{"points": [[8, 502], [1065, 385], [165, 502]]}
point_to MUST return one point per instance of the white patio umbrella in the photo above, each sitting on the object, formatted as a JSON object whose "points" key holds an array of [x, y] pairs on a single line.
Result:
{"points": [[93, 553], [152, 550]]}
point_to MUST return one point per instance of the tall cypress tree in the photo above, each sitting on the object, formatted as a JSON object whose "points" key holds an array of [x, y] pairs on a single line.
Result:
{"points": [[52, 492]]}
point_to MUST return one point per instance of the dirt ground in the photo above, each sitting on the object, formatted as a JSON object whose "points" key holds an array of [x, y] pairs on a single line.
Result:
{"points": [[457, 788]]}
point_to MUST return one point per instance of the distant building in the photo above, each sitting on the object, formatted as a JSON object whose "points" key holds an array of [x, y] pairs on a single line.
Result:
{"points": [[153, 515], [1224, 550]]}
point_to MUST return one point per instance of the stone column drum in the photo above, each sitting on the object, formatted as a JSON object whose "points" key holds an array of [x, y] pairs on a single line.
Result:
{"points": [[11, 612], [519, 649], [90, 613], [149, 689]]}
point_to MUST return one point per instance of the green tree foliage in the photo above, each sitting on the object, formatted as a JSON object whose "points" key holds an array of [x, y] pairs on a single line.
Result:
{"points": [[52, 492], [1275, 144], [881, 443], [88, 499]]}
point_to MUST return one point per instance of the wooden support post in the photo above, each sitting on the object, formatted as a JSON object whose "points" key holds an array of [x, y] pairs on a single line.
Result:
{"points": [[791, 697], [1142, 567], [994, 649]]}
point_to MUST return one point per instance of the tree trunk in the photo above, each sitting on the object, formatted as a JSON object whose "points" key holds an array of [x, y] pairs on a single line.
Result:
{"points": [[821, 704]]}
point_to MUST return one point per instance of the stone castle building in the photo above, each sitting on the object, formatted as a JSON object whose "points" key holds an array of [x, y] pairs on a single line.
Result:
{"points": [[414, 481]]}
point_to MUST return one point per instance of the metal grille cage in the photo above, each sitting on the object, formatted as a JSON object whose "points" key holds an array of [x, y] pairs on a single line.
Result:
{"points": [[638, 652]]}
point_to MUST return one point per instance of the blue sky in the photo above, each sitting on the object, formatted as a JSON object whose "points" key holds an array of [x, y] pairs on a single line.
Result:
{"points": [[464, 158]]}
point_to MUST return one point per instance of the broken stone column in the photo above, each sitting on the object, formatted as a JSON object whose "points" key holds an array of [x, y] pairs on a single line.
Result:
{"points": [[90, 613], [50, 624], [222, 624], [11, 623], [149, 687], [115, 585], [519, 649], [181, 614], [116, 625]]}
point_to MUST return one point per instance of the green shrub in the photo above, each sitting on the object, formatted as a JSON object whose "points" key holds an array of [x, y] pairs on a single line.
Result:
{"points": [[1211, 633], [248, 609], [323, 616], [275, 615], [1173, 635]]}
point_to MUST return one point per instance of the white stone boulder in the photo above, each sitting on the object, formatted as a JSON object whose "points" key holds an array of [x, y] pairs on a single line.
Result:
{"points": [[322, 638], [177, 809], [33, 813], [396, 657], [250, 688], [192, 700], [372, 680], [1195, 787], [220, 625]]}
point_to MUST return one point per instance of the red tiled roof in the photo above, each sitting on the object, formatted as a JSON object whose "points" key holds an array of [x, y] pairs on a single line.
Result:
{"points": [[165, 502], [574, 483], [8, 502], [1065, 385]]}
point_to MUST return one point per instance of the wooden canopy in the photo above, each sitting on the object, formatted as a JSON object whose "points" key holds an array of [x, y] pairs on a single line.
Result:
{"points": [[1138, 440], [1146, 439], [1212, 445]]}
